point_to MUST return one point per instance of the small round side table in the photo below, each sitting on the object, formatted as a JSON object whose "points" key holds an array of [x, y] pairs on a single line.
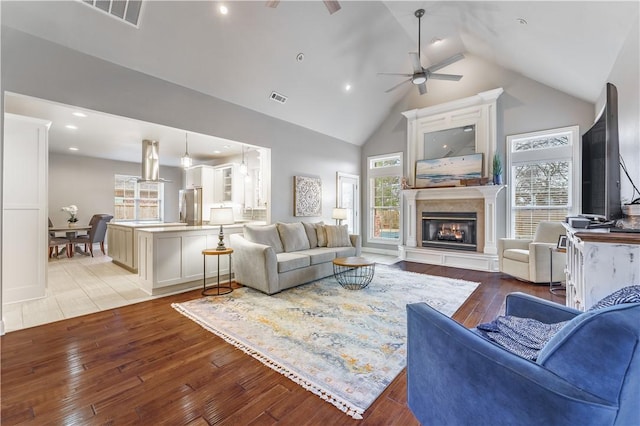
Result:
{"points": [[210, 291], [353, 273]]}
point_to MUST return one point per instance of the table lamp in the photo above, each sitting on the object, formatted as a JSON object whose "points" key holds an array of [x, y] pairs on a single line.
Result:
{"points": [[339, 214], [221, 216]]}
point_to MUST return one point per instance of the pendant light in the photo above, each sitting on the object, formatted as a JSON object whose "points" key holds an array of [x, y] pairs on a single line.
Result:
{"points": [[186, 160], [243, 165]]}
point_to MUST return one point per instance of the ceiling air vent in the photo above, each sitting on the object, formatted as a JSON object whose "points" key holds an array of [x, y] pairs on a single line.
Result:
{"points": [[123, 10], [277, 97]]}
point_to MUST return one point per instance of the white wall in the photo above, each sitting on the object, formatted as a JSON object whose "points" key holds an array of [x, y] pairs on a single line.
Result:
{"points": [[625, 75], [88, 183], [49, 71], [525, 106]]}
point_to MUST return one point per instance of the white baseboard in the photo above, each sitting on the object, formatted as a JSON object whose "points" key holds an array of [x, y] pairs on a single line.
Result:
{"points": [[387, 252]]}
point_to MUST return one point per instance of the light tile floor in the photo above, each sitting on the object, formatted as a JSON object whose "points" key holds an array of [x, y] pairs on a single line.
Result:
{"points": [[82, 285]]}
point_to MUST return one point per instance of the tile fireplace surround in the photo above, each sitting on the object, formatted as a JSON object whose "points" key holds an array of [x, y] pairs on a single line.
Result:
{"points": [[479, 199]]}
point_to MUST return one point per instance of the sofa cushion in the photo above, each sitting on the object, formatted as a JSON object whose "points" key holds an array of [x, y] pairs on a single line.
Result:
{"points": [[517, 255], [337, 236], [322, 236], [344, 251], [264, 234], [293, 236], [291, 261], [320, 255], [312, 235]]}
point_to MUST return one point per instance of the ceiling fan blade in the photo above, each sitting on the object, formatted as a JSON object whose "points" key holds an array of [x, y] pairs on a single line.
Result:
{"points": [[450, 77], [446, 62], [422, 88], [272, 3], [395, 73], [332, 6], [397, 85], [415, 62]]}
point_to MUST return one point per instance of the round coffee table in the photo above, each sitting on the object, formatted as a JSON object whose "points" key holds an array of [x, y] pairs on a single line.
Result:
{"points": [[353, 273]]}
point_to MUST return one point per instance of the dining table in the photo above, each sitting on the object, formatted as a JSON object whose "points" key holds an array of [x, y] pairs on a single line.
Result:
{"points": [[71, 231]]}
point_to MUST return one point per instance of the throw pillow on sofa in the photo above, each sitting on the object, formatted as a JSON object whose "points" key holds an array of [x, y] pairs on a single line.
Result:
{"points": [[264, 234], [293, 236], [322, 236], [312, 234], [337, 236]]}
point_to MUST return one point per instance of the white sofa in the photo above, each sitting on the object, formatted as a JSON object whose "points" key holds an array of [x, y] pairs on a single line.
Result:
{"points": [[272, 258]]}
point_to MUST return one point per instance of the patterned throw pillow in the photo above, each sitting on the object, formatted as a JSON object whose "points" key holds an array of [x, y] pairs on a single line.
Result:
{"points": [[321, 235], [337, 236], [630, 294]]}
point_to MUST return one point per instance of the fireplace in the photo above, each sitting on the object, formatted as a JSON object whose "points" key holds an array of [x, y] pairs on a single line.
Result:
{"points": [[448, 230]]}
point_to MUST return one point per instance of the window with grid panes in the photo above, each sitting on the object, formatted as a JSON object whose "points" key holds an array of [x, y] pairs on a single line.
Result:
{"points": [[542, 179], [135, 200], [385, 180]]}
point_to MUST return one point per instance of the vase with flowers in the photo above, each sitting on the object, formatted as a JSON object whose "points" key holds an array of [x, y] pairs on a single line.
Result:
{"points": [[73, 214]]}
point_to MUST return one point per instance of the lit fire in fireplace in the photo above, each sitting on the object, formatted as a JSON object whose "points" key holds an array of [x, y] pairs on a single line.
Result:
{"points": [[450, 232]]}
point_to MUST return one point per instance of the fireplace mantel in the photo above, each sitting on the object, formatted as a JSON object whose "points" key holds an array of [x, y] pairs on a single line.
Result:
{"points": [[487, 260]]}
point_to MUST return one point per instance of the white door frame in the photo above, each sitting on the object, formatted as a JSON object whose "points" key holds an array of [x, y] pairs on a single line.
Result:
{"points": [[357, 207]]}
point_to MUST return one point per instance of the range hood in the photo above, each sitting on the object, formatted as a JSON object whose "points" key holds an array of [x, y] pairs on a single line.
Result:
{"points": [[151, 162]]}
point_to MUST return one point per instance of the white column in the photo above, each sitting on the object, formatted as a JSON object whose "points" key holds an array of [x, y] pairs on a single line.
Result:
{"points": [[490, 194], [410, 217]]}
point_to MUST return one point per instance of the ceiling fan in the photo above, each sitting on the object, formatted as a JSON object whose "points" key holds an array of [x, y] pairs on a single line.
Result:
{"points": [[332, 6], [421, 75]]}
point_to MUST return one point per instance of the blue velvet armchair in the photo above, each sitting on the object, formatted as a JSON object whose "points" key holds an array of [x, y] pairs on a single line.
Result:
{"points": [[587, 374]]}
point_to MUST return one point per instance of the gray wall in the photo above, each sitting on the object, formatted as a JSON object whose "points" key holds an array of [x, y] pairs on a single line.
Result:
{"points": [[42, 69], [525, 106], [88, 183]]}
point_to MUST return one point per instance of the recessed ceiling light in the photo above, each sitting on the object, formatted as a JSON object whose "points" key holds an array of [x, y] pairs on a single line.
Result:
{"points": [[444, 146], [522, 21], [216, 152], [223, 9], [79, 114], [71, 126], [347, 87], [300, 57], [73, 148], [436, 40]]}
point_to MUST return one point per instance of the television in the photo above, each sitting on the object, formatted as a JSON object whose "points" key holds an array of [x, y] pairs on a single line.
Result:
{"points": [[601, 163]]}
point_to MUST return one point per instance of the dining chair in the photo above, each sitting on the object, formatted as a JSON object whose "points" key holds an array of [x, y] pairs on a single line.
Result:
{"points": [[55, 243], [96, 234]]}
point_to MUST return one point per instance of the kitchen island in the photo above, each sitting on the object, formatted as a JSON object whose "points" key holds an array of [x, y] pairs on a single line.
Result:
{"points": [[122, 241], [170, 257]]}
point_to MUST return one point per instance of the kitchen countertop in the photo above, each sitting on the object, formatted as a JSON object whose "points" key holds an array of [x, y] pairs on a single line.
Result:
{"points": [[186, 228]]}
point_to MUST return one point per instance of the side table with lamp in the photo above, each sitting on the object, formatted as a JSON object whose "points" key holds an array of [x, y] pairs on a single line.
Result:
{"points": [[339, 214], [219, 216]]}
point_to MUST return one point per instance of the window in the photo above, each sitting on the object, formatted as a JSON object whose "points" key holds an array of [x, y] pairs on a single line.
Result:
{"points": [[135, 200], [543, 178], [385, 180]]}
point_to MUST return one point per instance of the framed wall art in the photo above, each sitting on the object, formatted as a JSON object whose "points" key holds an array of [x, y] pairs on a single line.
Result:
{"points": [[448, 171], [307, 196]]}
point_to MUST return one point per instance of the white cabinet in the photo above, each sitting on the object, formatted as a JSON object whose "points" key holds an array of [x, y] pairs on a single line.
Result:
{"points": [[120, 243], [24, 222], [225, 185], [599, 263]]}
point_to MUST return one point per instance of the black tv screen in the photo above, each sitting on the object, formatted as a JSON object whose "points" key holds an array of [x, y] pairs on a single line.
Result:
{"points": [[601, 163]]}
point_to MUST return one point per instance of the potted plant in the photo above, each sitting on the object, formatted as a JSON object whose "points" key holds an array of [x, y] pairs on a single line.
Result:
{"points": [[73, 211], [497, 170]]}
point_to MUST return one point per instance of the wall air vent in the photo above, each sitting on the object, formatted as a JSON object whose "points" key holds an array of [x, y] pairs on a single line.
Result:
{"points": [[124, 10], [277, 97]]}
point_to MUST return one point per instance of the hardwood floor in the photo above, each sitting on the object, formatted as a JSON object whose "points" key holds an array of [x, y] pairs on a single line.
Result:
{"points": [[148, 364]]}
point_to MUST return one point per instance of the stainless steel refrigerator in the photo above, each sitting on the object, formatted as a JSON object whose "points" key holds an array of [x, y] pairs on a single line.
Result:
{"points": [[191, 206]]}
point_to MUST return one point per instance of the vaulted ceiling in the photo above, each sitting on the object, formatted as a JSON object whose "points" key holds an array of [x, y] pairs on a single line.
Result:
{"points": [[243, 56]]}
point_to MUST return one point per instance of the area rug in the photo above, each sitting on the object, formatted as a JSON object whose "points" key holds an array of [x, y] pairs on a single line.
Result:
{"points": [[345, 346]]}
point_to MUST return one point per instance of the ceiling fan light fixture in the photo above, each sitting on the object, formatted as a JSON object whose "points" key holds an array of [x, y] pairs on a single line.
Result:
{"points": [[419, 78]]}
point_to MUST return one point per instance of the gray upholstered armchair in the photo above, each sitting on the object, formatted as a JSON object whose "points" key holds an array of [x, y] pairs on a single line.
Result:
{"points": [[529, 260], [587, 374], [96, 234]]}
